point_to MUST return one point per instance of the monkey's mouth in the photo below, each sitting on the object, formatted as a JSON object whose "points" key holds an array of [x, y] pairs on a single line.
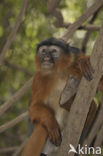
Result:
{"points": [[47, 65]]}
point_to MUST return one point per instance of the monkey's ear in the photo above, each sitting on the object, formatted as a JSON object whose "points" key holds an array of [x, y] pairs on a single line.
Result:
{"points": [[65, 45], [68, 47], [74, 50]]}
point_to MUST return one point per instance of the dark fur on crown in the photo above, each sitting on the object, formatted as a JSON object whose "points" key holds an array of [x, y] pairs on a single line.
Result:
{"points": [[54, 41]]}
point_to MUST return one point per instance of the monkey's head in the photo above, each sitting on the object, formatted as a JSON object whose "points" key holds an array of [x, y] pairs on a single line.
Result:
{"points": [[51, 53]]}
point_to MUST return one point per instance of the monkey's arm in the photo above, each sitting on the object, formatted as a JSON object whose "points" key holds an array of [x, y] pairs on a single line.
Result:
{"points": [[42, 114], [82, 67], [44, 117], [37, 140], [85, 66]]}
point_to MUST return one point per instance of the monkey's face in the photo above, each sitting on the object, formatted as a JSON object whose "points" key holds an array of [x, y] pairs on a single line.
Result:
{"points": [[49, 55]]}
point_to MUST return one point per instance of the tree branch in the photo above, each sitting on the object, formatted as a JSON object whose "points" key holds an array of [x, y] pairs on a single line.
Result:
{"points": [[16, 96], [81, 104], [9, 149], [18, 151], [13, 122], [87, 35], [59, 22], [85, 27], [54, 11], [99, 138], [95, 127], [72, 28], [14, 31], [17, 67]]}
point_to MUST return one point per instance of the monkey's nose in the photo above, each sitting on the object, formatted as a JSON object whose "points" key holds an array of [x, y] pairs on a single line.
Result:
{"points": [[47, 59]]}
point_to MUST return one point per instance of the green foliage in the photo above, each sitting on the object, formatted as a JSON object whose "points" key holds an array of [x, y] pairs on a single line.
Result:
{"points": [[36, 25]]}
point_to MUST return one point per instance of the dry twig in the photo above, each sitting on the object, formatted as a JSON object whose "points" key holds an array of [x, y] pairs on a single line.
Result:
{"points": [[96, 126], [17, 67], [87, 35], [72, 28], [8, 149], [14, 31], [16, 96], [18, 151], [99, 139], [13, 122]]}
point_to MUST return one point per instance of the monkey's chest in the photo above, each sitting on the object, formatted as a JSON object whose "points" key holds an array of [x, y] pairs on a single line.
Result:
{"points": [[53, 101]]}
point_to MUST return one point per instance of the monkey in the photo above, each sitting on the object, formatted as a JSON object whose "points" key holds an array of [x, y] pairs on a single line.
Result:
{"points": [[55, 61]]}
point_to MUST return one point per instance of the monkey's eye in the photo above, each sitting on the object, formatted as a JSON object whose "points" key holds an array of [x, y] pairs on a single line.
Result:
{"points": [[56, 51], [42, 50]]}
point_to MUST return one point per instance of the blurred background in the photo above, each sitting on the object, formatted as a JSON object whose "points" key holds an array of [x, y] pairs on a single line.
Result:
{"points": [[18, 67]]}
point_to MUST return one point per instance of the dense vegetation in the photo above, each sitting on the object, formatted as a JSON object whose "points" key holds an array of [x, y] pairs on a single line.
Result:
{"points": [[18, 65]]}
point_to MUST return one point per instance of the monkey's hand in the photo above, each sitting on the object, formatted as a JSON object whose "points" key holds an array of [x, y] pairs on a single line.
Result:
{"points": [[85, 67], [53, 131], [45, 116]]}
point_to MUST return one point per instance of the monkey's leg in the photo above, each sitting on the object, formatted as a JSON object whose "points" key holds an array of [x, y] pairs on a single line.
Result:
{"points": [[45, 116], [36, 142], [38, 138]]}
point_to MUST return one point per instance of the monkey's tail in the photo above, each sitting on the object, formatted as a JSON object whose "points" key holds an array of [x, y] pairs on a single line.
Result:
{"points": [[36, 142]]}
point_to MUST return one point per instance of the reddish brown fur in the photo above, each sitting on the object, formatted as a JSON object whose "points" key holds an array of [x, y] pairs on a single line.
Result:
{"points": [[61, 64], [43, 85], [46, 81]]}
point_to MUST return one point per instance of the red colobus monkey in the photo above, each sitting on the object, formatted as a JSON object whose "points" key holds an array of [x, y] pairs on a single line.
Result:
{"points": [[55, 61]]}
